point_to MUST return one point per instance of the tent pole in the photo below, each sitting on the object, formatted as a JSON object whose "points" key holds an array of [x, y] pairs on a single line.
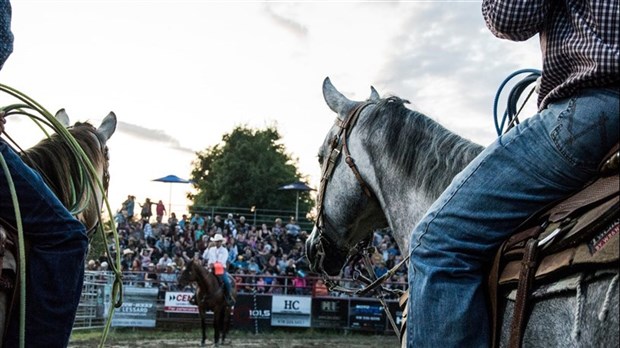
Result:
{"points": [[297, 207]]}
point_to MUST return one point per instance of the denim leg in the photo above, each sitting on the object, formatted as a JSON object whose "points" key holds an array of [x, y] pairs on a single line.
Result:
{"points": [[543, 159], [55, 263], [226, 280]]}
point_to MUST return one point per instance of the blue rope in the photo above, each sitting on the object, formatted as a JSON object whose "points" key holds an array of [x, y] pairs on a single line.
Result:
{"points": [[513, 97]]}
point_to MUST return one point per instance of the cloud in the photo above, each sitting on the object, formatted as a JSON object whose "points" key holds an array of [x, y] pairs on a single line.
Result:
{"points": [[283, 20], [154, 135], [446, 62]]}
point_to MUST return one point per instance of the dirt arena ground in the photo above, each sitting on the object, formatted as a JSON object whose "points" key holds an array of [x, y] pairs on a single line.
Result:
{"points": [[279, 340]]}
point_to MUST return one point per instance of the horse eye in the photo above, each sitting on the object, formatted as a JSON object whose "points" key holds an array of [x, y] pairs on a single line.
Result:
{"points": [[320, 157]]}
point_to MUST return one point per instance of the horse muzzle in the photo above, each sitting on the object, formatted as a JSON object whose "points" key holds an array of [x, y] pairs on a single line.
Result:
{"points": [[323, 255]]}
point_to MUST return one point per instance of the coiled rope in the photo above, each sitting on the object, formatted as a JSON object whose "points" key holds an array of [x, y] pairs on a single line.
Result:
{"points": [[510, 116], [30, 108]]}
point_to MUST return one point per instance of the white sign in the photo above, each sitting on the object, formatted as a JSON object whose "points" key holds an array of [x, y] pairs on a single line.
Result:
{"points": [[178, 302], [139, 308], [291, 310]]}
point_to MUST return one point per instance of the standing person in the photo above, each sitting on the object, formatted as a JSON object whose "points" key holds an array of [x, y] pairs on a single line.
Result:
{"points": [[540, 160], [146, 211], [172, 224], [216, 258], [130, 205], [160, 210], [57, 241]]}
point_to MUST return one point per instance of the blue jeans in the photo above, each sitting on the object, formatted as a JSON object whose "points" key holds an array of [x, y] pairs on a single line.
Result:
{"points": [[543, 159], [226, 280], [55, 260]]}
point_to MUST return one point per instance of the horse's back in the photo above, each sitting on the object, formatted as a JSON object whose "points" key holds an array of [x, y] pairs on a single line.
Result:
{"points": [[586, 316]]}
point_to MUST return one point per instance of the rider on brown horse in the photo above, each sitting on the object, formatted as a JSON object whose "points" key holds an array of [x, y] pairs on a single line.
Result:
{"points": [[216, 258]]}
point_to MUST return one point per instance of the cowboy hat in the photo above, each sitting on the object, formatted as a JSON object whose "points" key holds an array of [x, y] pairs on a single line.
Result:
{"points": [[217, 238], [127, 251]]}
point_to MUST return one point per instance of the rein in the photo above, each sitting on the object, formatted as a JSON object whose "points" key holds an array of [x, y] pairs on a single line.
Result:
{"points": [[363, 249]]}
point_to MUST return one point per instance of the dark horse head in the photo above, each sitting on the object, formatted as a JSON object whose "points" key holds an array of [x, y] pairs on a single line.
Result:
{"points": [[67, 174]]}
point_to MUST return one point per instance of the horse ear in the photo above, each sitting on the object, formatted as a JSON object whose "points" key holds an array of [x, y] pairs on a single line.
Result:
{"points": [[335, 100], [62, 117], [374, 95], [108, 126]]}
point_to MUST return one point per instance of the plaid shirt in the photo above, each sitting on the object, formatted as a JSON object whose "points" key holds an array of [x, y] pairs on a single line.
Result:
{"points": [[6, 36], [579, 40]]}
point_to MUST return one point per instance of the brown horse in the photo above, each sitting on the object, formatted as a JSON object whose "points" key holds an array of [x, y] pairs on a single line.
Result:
{"points": [[64, 174], [209, 296]]}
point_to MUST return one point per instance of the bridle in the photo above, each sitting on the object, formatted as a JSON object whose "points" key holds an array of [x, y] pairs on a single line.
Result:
{"points": [[364, 249]]}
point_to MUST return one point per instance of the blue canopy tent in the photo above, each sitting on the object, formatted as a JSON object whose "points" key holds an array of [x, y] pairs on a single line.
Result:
{"points": [[172, 179]]}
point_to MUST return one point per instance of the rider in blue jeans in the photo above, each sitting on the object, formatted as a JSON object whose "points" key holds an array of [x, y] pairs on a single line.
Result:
{"points": [[58, 242], [541, 160]]}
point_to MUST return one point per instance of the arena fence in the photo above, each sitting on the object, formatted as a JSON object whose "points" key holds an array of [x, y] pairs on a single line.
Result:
{"points": [[259, 307]]}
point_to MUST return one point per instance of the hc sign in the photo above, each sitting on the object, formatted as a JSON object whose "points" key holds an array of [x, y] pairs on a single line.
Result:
{"points": [[291, 305]]}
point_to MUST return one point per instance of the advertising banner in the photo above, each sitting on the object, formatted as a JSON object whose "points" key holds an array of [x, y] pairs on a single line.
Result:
{"points": [[330, 313], [366, 315], [252, 313], [178, 302], [139, 308], [291, 310]]}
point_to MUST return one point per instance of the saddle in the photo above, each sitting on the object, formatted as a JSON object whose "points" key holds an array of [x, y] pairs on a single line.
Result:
{"points": [[575, 234], [578, 233]]}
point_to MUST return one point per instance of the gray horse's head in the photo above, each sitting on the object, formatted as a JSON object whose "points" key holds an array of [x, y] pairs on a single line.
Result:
{"points": [[347, 213]]}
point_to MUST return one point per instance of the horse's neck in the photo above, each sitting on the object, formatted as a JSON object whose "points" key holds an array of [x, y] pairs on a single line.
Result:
{"points": [[63, 180], [405, 198], [204, 283]]}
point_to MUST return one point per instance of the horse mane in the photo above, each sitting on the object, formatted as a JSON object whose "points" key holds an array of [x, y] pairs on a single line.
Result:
{"points": [[436, 150], [53, 158]]}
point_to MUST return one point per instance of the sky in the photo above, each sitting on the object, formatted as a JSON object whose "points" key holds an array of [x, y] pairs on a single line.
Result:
{"points": [[181, 74]]}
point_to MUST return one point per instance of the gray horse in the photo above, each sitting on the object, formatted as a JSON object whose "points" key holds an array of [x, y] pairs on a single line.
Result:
{"points": [[406, 160]]}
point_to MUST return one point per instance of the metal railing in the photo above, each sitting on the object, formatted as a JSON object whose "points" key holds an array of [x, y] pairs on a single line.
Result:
{"points": [[254, 216]]}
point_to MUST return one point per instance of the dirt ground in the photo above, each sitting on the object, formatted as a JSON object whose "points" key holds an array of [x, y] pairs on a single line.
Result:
{"points": [[257, 342]]}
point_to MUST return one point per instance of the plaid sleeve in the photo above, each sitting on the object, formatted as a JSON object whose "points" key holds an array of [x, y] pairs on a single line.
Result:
{"points": [[6, 36], [515, 20]]}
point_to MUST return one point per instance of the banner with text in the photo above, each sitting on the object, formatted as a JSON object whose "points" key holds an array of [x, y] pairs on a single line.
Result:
{"points": [[252, 313], [139, 308], [178, 302], [291, 310], [330, 313], [366, 315]]}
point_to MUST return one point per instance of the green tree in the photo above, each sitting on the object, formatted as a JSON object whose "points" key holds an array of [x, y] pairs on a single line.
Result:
{"points": [[246, 169]]}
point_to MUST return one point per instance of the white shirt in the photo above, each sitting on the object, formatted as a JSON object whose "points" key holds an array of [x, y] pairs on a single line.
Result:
{"points": [[215, 254]]}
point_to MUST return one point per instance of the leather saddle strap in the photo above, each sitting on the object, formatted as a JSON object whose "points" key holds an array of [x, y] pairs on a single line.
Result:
{"points": [[493, 285], [526, 277]]}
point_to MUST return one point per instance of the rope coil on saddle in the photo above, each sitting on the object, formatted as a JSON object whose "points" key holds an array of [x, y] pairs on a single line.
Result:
{"points": [[42, 117], [511, 113]]}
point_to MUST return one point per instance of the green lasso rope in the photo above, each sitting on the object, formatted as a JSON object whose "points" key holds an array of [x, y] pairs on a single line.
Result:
{"points": [[50, 121]]}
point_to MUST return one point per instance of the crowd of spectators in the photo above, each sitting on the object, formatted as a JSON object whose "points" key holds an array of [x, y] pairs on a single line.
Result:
{"points": [[265, 259]]}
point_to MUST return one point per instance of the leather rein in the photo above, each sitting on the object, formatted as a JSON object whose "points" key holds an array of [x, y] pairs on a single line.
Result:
{"points": [[364, 249]]}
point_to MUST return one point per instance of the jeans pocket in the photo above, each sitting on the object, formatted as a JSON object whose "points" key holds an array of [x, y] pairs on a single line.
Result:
{"points": [[579, 134]]}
